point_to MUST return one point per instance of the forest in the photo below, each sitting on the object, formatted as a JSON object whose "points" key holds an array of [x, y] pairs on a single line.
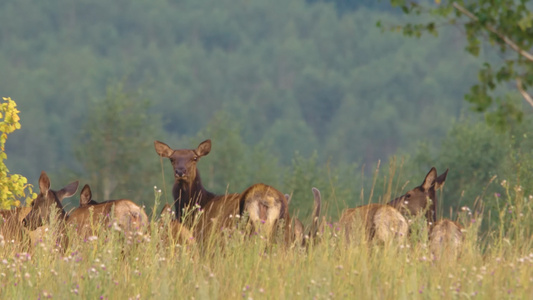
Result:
{"points": [[294, 94]]}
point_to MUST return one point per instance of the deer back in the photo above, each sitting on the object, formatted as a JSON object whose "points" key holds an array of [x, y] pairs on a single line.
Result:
{"points": [[221, 212], [445, 237], [128, 215], [265, 206], [176, 231], [375, 221]]}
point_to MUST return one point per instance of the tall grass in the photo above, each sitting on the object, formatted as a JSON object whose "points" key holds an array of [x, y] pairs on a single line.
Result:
{"points": [[494, 264]]}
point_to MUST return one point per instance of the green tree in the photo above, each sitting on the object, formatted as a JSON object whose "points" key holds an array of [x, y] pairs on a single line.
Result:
{"points": [[115, 146], [504, 25], [232, 165], [13, 187]]}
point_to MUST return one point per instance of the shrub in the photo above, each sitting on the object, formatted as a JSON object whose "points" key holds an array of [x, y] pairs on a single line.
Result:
{"points": [[13, 187]]}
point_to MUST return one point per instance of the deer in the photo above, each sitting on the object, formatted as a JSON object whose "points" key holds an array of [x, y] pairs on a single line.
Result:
{"points": [[265, 206], [422, 199], [129, 216], [261, 203], [11, 224], [378, 222], [297, 227], [176, 230], [48, 199], [445, 238], [216, 210], [41, 207]]}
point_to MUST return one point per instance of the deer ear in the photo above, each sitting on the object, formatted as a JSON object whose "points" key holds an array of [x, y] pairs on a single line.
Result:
{"points": [[288, 198], [44, 183], [85, 195], [439, 182], [429, 181], [68, 191], [162, 149], [204, 148]]}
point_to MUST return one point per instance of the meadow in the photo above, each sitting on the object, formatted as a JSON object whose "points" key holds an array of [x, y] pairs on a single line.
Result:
{"points": [[495, 262]]}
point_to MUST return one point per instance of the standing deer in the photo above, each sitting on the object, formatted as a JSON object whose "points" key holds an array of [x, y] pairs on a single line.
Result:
{"points": [[443, 234], [265, 206], [128, 215], [188, 191]]}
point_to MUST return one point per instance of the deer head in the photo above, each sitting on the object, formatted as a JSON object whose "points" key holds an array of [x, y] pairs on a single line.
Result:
{"points": [[42, 206], [183, 160], [422, 198]]}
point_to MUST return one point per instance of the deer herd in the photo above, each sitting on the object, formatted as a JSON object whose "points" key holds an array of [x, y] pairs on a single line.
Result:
{"points": [[200, 215]]}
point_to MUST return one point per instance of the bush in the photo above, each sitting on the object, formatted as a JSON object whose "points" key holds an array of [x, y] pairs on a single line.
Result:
{"points": [[13, 187]]}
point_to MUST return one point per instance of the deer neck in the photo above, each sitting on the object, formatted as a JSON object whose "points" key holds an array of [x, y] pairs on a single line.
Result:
{"points": [[190, 193], [431, 214]]}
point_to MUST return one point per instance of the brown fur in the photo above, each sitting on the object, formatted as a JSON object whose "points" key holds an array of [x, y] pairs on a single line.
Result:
{"points": [[41, 208], [298, 231], [377, 221], [297, 234], [265, 206], [42, 205], [421, 199], [11, 228], [189, 191], [128, 215], [177, 232], [445, 236]]}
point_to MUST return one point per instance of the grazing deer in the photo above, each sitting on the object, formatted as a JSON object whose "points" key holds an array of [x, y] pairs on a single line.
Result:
{"points": [[378, 222], [265, 206], [445, 238], [176, 231], [188, 191], [41, 207], [443, 234], [128, 215]]}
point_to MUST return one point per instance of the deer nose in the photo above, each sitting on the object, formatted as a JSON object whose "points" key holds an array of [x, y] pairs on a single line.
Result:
{"points": [[181, 172]]}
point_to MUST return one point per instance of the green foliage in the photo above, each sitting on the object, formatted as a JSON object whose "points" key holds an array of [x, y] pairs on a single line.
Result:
{"points": [[479, 157], [303, 79], [115, 146], [232, 165], [13, 187], [304, 174], [506, 27]]}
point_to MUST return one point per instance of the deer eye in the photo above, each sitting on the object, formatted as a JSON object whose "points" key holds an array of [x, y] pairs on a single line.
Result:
{"points": [[195, 158], [407, 196]]}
